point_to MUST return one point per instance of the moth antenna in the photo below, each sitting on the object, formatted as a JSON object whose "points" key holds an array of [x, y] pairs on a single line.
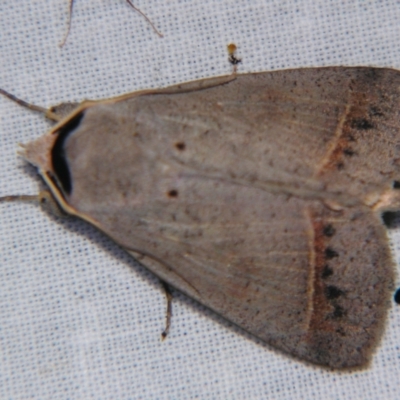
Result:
{"points": [[146, 18], [63, 41], [46, 112], [168, 295]]}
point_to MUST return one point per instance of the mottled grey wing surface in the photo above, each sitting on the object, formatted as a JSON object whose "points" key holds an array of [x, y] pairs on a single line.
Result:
{"points": [[258, 198]]}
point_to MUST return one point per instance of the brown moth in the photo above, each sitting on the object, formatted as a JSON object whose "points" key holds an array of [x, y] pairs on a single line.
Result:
{"points": [[258, 195]]}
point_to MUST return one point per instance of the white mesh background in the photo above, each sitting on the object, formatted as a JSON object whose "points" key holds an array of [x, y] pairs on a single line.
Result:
{"points": [[79, 319]]}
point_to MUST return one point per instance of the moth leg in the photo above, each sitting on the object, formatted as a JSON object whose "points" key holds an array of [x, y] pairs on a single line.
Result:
{"points": [[55, 113], [168, 295], [47, 112], [63, 109], [20, 197], [44, 198]]}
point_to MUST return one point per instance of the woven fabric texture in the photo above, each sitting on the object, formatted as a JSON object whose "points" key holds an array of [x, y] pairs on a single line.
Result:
{"points": [[79, 318]]}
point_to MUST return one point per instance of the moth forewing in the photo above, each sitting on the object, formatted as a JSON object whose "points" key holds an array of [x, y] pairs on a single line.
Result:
{"points": [[38, 152], [251, 194]]}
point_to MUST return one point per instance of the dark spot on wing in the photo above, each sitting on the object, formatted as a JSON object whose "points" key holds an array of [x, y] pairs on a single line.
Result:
{"points": [[180, 145], [327, 272], [348, 152], [173, 193], [329, 230], [338, 312], [332, 292], [361, 124], [330, 253]]}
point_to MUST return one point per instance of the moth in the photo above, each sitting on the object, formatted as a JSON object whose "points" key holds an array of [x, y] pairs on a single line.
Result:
{"points": [[259, 195]]}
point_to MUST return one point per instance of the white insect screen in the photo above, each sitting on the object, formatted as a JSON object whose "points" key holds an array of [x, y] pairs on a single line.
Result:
{"points": [[79, 318]]}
